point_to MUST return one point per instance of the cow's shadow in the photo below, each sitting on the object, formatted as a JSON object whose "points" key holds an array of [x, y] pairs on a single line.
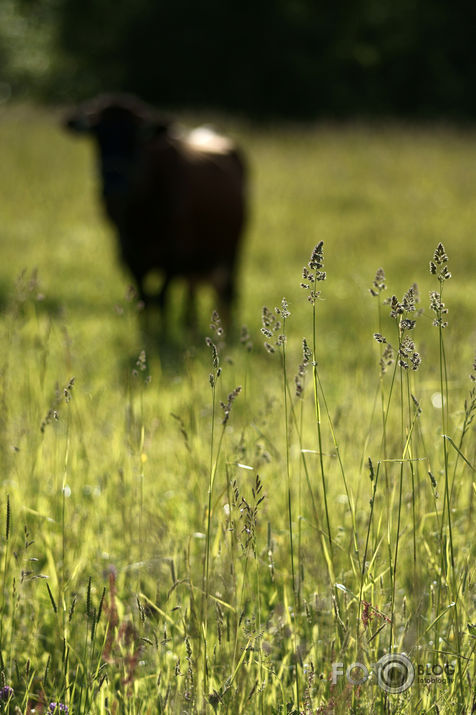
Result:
{"points": [[170, 346], [167, 354]]}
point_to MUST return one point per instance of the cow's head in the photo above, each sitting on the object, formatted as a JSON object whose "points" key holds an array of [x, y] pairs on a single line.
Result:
{"points": [[121, 125]]}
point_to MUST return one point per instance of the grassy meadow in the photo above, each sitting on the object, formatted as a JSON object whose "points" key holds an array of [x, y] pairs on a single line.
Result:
{"points": [[198, 526]]}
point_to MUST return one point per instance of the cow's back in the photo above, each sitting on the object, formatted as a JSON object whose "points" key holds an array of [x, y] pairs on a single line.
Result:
{"points": [[194, 196], [216, 193]]}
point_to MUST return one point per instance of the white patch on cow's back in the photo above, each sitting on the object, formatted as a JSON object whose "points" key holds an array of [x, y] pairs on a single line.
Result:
{"points": [[208, 140]]}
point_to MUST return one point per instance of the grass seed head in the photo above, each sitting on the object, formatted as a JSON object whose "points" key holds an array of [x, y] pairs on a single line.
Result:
{"points": [[226, 407], [417, 404], [213, 348], [438, 265], [434, 483], [312, 274], [306, 352], [306, 359], [67, 390], [141, 362], [408, 357], [387, 359], [51, 416], [271, 326], [367, 613], [410, 299], [216, 325], [285, 309], [396, 308], [371, 470], [245, 338], [378, 284], [439, 308], [316, 261], [299, 386]]}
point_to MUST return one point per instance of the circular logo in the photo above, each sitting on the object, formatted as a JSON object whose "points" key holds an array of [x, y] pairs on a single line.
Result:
{"points": [[395, 673]]}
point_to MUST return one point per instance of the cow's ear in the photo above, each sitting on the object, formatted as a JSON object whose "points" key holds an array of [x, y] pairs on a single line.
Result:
{"points": [[79, 122]]}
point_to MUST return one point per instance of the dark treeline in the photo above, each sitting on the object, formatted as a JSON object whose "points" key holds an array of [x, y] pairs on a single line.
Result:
{"points": [[269, 57]]}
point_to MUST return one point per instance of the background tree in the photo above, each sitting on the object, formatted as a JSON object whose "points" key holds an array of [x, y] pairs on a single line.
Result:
{"points": [[267, 57]]}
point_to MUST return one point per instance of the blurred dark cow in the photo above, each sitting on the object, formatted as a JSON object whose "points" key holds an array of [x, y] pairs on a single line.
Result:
{"points": [[177, 201]]}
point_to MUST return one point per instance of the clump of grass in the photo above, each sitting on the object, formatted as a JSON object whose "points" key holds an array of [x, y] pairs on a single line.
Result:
{"points": [[258, 552]]}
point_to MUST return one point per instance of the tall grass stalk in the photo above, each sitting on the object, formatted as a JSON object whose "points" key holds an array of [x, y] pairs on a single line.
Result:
{"points": [[274, 328], [374, 482], [439, 268], [284, 313], [350, 499], [406, 358], [312, 275], [386, 360], [5, 571], [298, 426], [214, 461], [213, 377]]}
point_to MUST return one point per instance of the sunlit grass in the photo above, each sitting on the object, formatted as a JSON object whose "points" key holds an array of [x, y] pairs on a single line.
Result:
{"points": [[155, 559]]}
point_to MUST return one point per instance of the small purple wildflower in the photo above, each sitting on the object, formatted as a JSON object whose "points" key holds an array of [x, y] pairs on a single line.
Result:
{"points": [[58, 708], [6, 692]]}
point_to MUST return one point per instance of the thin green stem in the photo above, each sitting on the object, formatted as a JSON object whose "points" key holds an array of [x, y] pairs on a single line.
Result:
{"points": [[289, 496], [319, 431], [367, 538], [444, 421], [315, 512], [205, 588], [288, 464], [342, 470], [207, 555]]}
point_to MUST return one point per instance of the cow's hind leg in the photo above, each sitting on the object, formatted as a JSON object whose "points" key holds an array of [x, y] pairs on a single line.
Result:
{"points": [[151, 302]]}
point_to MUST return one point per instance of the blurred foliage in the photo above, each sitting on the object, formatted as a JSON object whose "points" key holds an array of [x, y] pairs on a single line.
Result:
{"points": [[27, 47], [285, 57]]}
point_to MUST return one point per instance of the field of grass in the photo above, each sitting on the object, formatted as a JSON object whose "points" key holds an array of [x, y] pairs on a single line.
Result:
{"points": [[179, 530]]}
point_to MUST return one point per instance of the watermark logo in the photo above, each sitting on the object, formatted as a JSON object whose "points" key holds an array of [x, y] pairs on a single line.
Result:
{"points": [[394, 671]]}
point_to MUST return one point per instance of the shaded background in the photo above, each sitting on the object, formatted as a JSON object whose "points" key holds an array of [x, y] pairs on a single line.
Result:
{"points": [[266, 58]]}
